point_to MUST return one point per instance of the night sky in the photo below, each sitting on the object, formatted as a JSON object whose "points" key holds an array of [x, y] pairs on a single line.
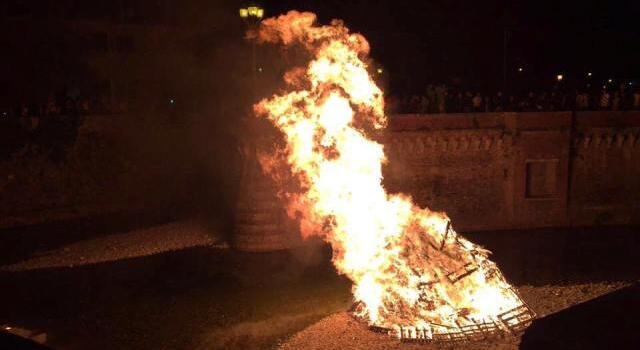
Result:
{"points": [[446, 41]]}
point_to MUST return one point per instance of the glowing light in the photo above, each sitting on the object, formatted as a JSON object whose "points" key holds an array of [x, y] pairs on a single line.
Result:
{"points": [[520, 69], [252, 11], [379, 70], [559, 77], [610, 80], [400, 257], [589, 74]]}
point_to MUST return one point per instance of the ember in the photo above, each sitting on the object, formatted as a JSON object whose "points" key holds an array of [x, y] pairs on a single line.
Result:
{"points": [[413, 275]]}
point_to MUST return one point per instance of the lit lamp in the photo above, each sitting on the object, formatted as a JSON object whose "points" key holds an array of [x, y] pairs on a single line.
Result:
{"points": [[589, 74], [252, 12], [252, 15], [559, 77], [380, 71]]}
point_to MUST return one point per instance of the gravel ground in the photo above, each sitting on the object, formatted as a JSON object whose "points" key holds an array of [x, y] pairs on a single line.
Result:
{"points": [[136, 243], [340, 331]]}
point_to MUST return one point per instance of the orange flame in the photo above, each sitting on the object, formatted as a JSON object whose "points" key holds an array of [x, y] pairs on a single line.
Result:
{"points": [[408, 267]]}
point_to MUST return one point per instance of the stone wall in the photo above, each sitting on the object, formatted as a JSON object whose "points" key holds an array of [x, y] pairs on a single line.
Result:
{"points": [[605, 169], [487, 171], [493, 171], [519, 170], [111, 163], [463, 172]]}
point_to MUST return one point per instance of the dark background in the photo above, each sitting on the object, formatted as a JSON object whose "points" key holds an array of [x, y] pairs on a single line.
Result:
{"points": [[186, 74], [444, 41], [162, 161], [199, 52]]}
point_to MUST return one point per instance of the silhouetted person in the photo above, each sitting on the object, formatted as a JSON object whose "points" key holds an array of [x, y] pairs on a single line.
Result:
{"points": [[616, 102], [499, 102], [449, 102], [528, 103], [439, 98], [476, 103], [459, 102], [542, 102], [582, 101], [605, 100], [556, 101], [512, 105], [636, 100], [431, 99]]}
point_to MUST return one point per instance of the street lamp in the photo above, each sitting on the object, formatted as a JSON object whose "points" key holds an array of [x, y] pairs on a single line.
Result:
{"points": [[252, 15]]}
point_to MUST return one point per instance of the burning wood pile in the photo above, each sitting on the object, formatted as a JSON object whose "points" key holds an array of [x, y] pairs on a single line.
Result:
{"points": [[460, 326], [413, 275]]}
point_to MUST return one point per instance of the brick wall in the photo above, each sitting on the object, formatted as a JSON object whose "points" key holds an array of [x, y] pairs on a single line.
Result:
{"points": [[515, 170], [487, 171], [116, 162], [604, 180], [519, 170]]}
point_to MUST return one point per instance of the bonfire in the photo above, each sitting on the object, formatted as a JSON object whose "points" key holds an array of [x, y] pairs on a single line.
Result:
{"points": [[413, 275]]}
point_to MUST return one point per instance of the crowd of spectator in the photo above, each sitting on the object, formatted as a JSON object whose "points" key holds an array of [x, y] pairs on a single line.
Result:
{"points": [[442, 99], [50, 127], [66, 106]]}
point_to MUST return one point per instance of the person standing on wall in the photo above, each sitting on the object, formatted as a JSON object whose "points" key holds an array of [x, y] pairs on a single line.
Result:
{"points": [[605, 100]]}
